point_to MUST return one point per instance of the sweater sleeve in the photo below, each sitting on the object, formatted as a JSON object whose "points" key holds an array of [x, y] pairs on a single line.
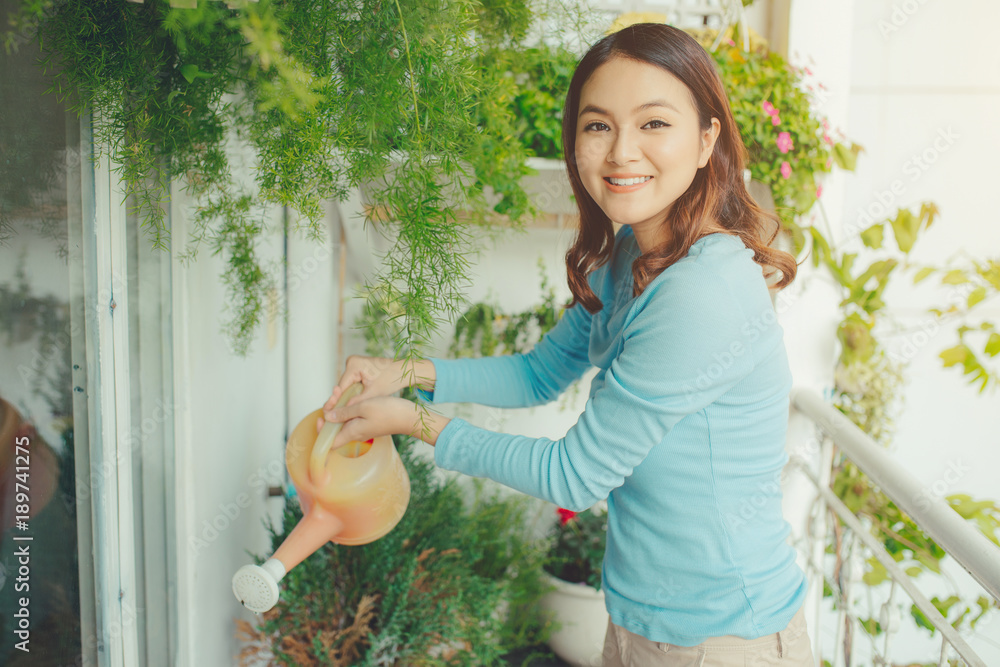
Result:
{"points": [[683, 349], [519, 380]]}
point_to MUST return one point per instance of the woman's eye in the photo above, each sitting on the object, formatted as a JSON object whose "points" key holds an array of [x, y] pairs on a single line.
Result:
{"points": [[657, 123], [596, 125]]}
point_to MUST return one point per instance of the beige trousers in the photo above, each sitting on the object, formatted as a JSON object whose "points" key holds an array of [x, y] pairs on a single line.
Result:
{"points": [[788, 648]]}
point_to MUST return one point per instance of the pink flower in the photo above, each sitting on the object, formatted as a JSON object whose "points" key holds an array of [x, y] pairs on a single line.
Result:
{"points": [[769, 109], [829, 163], [784, 142], [809, 71], [730, 42], [826, 124], [786, 169], [819, 189], [775, 120], [827, 139]]}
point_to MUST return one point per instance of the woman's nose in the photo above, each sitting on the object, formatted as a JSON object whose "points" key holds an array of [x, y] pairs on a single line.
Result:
{"points": [[624, 148]]}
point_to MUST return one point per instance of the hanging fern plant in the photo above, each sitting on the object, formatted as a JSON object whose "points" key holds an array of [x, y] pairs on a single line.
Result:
{"points": [[328, 95]]}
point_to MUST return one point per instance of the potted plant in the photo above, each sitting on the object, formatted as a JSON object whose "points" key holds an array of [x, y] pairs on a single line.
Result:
{"points": [[455, 582], [576, 601]]}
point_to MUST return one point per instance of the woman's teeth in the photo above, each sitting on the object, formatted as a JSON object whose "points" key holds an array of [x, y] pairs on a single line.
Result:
{"points": [[629, 181]]}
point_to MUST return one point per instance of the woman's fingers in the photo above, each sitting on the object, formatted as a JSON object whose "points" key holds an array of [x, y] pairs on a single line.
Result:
{"points": [[348, 378], [352, 430], [332, 401]]}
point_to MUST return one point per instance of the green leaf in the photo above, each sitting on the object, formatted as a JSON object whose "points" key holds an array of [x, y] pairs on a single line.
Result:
{"points": [[928, 211], [976, 296], [877, 574], [954, 355], [189, 72], [872, 237], [905, 226], [991, 273], [993, 345], [856, 340], [913, 570], [871, 626], [967, 507], [921, 620], [821, 247], [955, 277], [944, 606], [846, 157], [798, 239], [930, 562], [922, 274]]}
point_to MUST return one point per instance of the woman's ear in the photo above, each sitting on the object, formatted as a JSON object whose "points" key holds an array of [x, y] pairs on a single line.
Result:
{"points": [[708, 138]]}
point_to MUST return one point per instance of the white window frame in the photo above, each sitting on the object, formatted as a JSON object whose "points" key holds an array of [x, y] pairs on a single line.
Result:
{"points": [[128, 593]]}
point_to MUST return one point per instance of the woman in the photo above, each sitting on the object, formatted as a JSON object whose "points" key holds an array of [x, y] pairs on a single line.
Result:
{"points": [[684, 428]]}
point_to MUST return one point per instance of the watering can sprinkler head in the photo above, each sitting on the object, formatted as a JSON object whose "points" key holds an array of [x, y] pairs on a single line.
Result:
{"points": [[256, 586], [352, 495]]}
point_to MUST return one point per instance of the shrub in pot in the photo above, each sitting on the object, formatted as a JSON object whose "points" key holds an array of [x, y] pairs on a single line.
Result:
{"points": [[576, 601]]}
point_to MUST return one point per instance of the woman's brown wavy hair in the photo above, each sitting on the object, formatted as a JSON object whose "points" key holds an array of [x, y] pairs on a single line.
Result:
{"points": [[717, 191]]}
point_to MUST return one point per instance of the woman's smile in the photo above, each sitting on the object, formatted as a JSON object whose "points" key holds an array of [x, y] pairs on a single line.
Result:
{"points": [[624, 184]]}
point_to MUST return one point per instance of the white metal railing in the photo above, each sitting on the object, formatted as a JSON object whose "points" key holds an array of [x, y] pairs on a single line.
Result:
{"points": [[970, 548]]}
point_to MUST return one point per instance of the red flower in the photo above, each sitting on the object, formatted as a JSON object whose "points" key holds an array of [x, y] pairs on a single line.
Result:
{"points": [[565, 515]]}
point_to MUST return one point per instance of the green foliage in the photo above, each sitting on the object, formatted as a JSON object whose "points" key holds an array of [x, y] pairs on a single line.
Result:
{"points": [[578, 551], [536, 82], [484, 330], [763, 86], [869, 382], [453, 583], [969, 289], [952, 606], [914, 551], [328, 96]]}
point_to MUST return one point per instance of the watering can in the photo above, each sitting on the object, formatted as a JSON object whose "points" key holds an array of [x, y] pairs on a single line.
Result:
{"points": [[353, 495]]}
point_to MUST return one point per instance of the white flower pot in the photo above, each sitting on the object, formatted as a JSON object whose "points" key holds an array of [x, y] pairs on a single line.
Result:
{"points": [[580, 612]]}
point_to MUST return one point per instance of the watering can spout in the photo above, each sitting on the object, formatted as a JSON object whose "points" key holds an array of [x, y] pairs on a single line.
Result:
{"points": [[352, 495]]}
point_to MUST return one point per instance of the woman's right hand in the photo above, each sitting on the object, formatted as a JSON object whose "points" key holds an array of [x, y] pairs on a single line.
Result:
{"points": [[378, 376]]}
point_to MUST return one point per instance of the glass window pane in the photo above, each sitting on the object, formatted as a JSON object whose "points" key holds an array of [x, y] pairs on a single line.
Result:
{"points": [[39, 195]]}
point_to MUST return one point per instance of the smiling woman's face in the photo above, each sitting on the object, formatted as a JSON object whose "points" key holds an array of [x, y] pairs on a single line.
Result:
{"points": [[639, 144]]}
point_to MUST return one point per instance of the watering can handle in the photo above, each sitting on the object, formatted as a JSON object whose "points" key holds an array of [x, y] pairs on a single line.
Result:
{"points": [[324, 441]]}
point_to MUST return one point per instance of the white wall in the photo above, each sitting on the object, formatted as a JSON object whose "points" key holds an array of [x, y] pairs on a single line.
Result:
{"points": [[938, 104], [230, 432]]}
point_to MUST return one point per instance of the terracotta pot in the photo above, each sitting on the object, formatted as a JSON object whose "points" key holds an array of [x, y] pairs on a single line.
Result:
{"points": [[579, 610]]}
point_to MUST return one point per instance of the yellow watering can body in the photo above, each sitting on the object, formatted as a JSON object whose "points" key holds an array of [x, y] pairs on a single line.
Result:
{"points": [[352, 495], [365, 484]]}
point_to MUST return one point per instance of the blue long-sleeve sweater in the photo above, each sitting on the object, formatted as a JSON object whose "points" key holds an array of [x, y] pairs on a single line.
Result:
{"points": [[683, 433]]}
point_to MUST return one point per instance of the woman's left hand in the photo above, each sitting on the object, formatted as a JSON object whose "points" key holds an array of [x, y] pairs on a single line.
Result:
{"points": [[382, 415]]}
